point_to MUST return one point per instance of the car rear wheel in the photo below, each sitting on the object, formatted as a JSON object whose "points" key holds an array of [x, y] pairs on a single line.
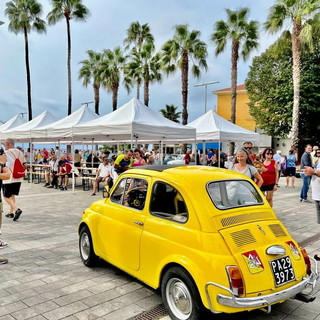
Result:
{"points": [[87, 254], [180, 295]]}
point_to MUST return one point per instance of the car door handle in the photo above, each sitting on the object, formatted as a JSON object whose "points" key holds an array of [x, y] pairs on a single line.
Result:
{"points": [[139, 223]]}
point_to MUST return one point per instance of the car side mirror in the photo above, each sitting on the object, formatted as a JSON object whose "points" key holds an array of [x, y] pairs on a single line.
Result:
{"points": [[106, 193]]}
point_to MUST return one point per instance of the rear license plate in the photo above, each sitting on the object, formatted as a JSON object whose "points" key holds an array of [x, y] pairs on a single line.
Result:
{"points": [[282, 270]]}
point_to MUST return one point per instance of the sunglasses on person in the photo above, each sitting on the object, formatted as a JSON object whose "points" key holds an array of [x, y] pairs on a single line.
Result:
{"points": [[317, 152], [269, 153], [248, 148]]}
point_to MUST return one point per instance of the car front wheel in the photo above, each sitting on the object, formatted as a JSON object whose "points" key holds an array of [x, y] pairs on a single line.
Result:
{"points": [[87, 254], [180, 295]]}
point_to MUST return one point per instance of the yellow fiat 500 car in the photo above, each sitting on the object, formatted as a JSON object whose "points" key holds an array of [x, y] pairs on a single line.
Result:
{"points": [[205, 236]]}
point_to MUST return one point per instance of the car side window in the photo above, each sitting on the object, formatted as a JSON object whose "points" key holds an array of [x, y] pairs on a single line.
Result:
{"points": [[117, 195], [167, 202], [131, 192]]}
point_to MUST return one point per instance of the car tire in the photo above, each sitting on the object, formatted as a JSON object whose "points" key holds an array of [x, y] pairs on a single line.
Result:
{"points": [[180, 295], [88, 257]]}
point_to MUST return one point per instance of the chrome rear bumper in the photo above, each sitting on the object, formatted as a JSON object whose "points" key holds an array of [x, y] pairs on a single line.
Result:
{"points": [[263, 301]]}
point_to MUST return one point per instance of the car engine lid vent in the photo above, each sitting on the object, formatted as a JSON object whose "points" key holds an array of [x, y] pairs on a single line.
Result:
{"points": [[277, 230], [243, 237], [228, 221]]}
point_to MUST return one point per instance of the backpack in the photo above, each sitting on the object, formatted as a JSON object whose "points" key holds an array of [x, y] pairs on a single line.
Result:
{"points": [[18, 168]]}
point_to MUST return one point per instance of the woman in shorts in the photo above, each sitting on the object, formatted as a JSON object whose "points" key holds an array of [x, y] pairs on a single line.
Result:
{"points": [[290, 171], [270, 175]]}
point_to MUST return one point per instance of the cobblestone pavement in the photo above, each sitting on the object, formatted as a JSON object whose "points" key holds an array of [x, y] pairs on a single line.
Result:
{"points": [[45, 278]]}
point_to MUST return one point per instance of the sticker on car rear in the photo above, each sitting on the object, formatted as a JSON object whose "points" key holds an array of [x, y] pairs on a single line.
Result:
{"points": [[253, 261], [294, 250], [282, 270]]}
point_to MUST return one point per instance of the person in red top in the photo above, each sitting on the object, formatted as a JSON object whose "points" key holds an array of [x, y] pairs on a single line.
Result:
{"points": [[45, 155], [64, 173], [187, 157], [270, 175]]}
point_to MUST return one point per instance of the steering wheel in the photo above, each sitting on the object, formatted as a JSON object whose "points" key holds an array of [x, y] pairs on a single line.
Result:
{"points": [[136, 198]]}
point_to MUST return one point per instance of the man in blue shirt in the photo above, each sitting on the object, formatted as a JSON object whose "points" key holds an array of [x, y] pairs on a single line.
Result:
{"points": [[306, 162]]}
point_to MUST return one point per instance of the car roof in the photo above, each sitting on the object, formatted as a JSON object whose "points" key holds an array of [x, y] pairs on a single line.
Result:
{"points": [[181, 173]]}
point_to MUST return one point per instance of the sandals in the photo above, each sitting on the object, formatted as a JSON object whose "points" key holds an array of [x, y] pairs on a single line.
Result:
{"points": [[317, 257]]}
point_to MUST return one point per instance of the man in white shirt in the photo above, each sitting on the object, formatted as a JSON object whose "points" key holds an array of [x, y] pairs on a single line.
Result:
{"points": [[11, 187], [53, 163], [104, 174]]}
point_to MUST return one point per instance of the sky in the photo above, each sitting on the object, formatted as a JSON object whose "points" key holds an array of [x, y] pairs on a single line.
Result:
{"points": [[105, 29]]}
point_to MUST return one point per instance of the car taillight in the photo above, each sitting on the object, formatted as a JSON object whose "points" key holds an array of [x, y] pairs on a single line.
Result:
{"points": [[235, 279], [306, 260]]}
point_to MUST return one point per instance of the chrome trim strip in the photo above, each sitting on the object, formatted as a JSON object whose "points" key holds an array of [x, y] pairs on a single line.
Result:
{"points": [[266, 300]]}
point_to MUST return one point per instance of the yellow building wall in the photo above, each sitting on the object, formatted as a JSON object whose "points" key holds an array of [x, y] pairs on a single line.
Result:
{"points": [[243, 117]]}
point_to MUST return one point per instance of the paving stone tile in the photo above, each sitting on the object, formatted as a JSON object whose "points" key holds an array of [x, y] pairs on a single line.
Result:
{"points": [[12, 307], [124, 313], [72, 297], [149, 302], [96, 312], [65, 311]]}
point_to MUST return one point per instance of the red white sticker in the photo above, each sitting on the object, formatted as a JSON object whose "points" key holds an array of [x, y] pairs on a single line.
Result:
{"points": [[294, 250], [253, 262]]}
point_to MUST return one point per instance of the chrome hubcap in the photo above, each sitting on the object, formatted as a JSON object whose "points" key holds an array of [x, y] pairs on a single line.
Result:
{"points": [[85, 246], [179, 298]]}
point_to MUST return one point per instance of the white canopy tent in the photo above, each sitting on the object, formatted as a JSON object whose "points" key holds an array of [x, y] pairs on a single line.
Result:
{"points": [[134, 122], [63, 128], [212, 127], [24, 131], [12, 123]]}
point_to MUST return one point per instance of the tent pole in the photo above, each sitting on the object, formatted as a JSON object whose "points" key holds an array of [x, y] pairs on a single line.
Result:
{"points": [[72, 155], [30, 158], [161, 152], [219, 153], [92, 154]]}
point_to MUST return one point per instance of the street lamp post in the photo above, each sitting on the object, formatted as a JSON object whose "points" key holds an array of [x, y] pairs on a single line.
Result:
{"points": [[205, 97], [87, 103]]}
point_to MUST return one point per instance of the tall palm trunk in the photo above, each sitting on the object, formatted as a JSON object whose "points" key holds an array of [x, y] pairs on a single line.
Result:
{"points": [[115, 88], [26, 48], [234, 76], [296, 46], [146, 88], [138, 91], [184, 78], [96, 90], [69, 66]]}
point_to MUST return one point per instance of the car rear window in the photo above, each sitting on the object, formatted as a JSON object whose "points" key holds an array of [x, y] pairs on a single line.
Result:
{"points": [[233, 193]]}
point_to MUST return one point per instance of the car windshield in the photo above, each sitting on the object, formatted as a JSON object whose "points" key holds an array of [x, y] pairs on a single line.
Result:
{"points": [[233, 193]]}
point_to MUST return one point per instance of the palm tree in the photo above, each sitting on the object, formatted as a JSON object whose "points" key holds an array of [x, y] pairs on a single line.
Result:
{"points": [[90, 72], [68, 9], [170, 112], [112, 68], [185, 46], [145, 65], [242, 34], [137, 35], [24, 15], [299, 13]]}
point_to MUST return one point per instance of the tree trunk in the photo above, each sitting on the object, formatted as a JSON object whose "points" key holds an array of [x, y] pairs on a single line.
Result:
{"points": [[296, 46], [96, 89], [146, 87], [234, 75], [26, 46], [115, 88], [138, 91], [69, 67], [184, 80]]}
